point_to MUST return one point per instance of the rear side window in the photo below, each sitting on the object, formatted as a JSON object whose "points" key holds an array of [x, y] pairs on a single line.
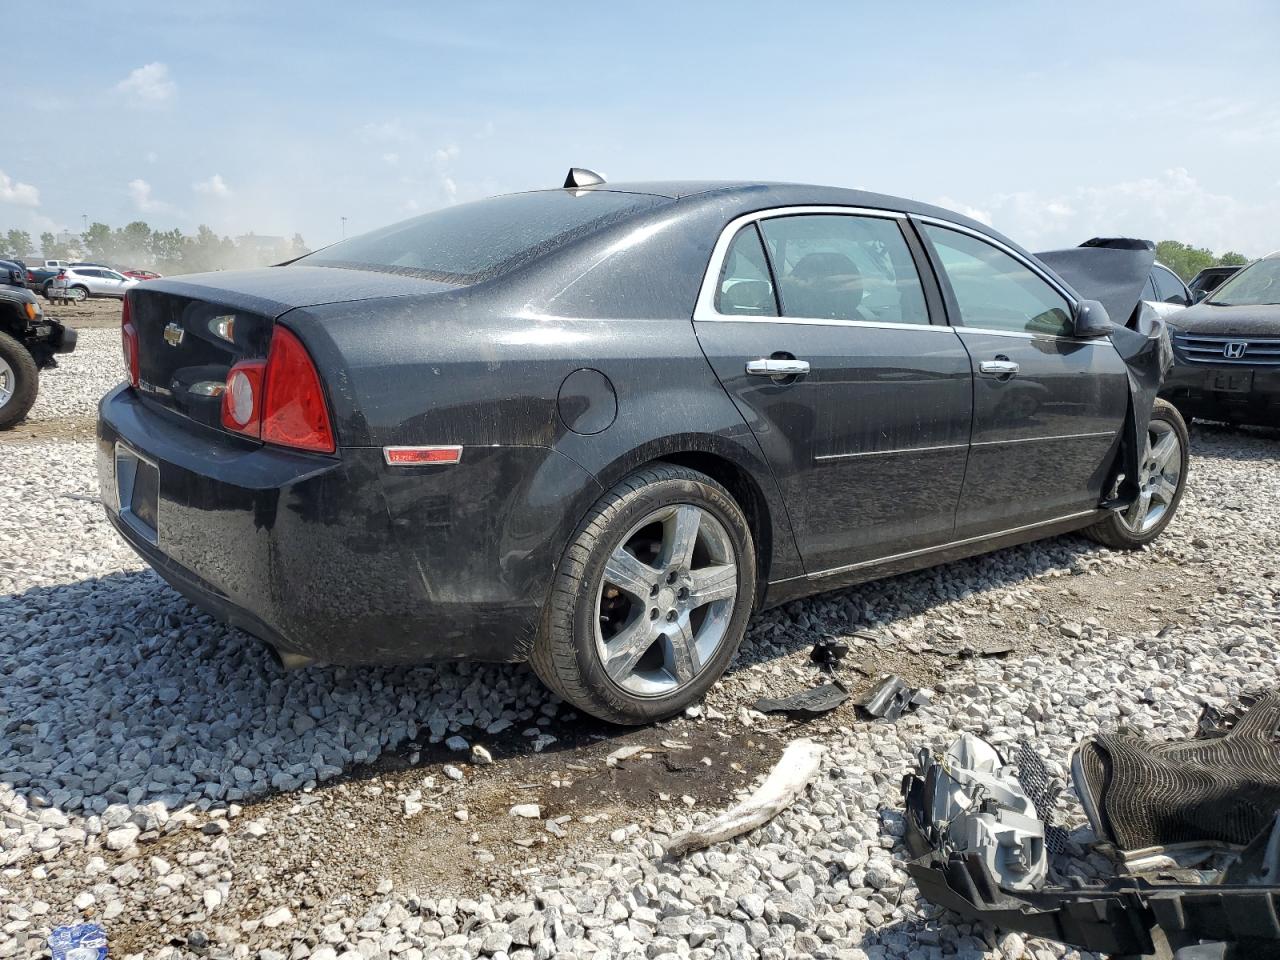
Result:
{"points": [[844, 267], [746, 289], [475, 241], [996, 291], [1168, 287]]}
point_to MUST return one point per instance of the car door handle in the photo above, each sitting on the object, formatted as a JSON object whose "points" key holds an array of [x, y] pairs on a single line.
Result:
{"points": [[998, 368], [777, 368]]}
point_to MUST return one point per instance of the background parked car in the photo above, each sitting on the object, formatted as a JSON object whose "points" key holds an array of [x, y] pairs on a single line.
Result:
{"points": [[1208, 280], [41, 278], [142, 274], [12, 273], [1226, 350], [28, 342], [77, 283], [1165, 292]]}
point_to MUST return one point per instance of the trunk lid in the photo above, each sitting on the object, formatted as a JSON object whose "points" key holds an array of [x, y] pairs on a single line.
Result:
{"points": [[193, 329]]}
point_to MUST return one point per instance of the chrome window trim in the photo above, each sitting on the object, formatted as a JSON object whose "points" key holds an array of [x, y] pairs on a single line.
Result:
{"points": [[1028, 335], [924, 551], [705, 311]]}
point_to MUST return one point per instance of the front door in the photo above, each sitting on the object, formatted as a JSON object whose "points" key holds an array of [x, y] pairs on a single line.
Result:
{"points": [[861, 404], [1048, 407]]}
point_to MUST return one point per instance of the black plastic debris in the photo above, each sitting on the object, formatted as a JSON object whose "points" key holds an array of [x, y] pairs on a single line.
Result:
{"points": [[891, 698], [811, 702], [828, 652], [1044, 791]]}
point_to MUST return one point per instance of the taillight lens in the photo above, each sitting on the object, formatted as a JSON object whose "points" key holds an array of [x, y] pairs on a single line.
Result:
{"points": [[129, 344], [242, 399], [279, 400]]}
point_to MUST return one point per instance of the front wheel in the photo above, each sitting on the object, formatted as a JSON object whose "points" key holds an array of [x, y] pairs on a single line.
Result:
{"points": [[19, 381], [78, 294], [651, 598], [1162, 479]]}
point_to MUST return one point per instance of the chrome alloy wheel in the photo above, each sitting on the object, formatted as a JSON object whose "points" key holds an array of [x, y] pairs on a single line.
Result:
{"points": [[8, 382], [665, 600], [1159, 476]]}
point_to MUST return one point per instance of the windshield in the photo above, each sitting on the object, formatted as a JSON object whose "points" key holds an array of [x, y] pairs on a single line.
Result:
{"points": [[1256, 284], [475, 241]]}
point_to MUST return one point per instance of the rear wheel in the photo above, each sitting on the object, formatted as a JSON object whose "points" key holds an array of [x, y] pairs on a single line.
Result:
{"points": [[77, 294], [19, 381], [1162, 478], [651, 599]]}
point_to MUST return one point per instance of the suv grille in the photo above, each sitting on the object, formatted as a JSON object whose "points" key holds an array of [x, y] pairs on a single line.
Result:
{"points": [[1200, 348]]}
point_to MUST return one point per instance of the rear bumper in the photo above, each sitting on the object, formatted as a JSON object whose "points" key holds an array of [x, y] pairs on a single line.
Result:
{"points": [[343, 559], [1188, 385]]}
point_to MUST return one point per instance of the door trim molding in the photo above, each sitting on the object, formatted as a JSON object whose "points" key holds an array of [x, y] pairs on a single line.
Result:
{"points": [[886, 453], [939, 548], [1110, 434]]}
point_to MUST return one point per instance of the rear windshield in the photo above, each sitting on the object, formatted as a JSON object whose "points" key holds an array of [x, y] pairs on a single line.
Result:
{"points": [[1257, 283], [476, 241]]}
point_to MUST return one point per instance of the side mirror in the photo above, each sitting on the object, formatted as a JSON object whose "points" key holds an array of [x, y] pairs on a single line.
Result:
{"points": [[1090, 320], [1199, 295]]}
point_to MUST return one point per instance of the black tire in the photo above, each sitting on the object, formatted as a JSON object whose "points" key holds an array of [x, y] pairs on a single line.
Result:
{"points": [[565, 655], [1113, 531], [26, 381], [46, 289]]}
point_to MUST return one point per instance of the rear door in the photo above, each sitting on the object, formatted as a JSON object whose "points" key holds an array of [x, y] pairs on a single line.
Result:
{"points": [[1048, 407], [818, 324]]}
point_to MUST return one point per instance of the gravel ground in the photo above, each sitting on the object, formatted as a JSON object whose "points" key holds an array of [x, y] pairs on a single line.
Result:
{"points": [[161, 776]]}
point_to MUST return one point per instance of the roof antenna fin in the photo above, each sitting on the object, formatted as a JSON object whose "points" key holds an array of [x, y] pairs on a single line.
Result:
{"points": [[582, 177]]}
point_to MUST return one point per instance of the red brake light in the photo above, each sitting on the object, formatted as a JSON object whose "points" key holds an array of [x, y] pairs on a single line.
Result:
{"points": [[129, 344], [242, 398], [295, 413]]}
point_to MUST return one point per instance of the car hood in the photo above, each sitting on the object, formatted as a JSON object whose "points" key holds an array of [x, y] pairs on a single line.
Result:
{"points": [[1244, 321], [16, 294], [272, 291]]}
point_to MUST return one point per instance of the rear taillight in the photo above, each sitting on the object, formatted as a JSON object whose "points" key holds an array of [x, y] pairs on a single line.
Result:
{"points": [[129, 344], [279, 400]]}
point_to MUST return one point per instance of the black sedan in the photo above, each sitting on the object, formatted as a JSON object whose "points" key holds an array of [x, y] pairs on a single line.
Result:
{"points": [[596, 427], [1227, 350]]}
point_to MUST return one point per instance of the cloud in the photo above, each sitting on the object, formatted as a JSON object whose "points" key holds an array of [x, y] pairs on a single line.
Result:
{"points": [[450, 188], [391, 158], [973, 213], [445, 155], [1170, 205], [149, 85], [140, 193], [15, 192], [215, 186]]}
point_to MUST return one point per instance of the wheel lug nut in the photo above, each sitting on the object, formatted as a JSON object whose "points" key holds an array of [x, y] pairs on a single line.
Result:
{"points": [[671, 616], [671, 577], [653, 614], [653, 591]]}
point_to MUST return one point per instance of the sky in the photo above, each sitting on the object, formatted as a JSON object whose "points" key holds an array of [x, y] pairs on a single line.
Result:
{"points": [[1053, 122]]}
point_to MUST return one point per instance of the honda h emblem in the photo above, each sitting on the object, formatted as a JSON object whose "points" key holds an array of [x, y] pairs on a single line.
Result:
{"points": [[1234, 349], [173, 334]]}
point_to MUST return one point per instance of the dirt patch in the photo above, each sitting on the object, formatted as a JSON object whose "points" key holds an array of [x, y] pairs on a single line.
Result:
{"points": [[38, 431], [93, 314], [346, 837]]}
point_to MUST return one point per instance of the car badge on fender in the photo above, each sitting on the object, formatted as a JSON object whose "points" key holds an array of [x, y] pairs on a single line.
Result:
{"points": [[173, 334]]}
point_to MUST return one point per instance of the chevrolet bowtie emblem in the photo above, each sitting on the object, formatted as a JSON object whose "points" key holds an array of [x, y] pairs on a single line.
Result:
{"points": [[173, 334]]}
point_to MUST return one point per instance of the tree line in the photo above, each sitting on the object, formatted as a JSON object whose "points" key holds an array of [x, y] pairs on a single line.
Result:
{"points": [[1186, 261], [137, 246]]}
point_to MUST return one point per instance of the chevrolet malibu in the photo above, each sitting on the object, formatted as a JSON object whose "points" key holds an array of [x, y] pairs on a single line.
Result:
{"points": [[596, 427]]}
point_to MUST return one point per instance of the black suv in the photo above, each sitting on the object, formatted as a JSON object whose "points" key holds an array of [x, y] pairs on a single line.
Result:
{"points": [[1227, 350], [28, 342]]}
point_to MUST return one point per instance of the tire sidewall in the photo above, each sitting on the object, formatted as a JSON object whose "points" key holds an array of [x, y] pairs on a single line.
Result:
{"points": [[663, 493], [26, 381], [1169, 414]]}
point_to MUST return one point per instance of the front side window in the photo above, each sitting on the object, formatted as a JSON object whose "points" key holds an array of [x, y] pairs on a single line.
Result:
{"points": [[1256, 284], [996, 291], [745, 288], [844, 267], [1169, 288]]}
